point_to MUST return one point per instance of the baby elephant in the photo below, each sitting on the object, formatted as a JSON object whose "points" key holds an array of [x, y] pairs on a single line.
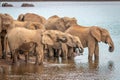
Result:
{"points": [[26, 49]]}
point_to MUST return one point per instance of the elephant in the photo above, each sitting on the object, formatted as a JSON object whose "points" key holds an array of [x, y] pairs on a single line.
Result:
{"points": [[28, 24], [26, 48], [31, 17], [6, 22], [68, 48], [7, 5], [90, 36], [27, 5], [61, 24], [40, 37]]}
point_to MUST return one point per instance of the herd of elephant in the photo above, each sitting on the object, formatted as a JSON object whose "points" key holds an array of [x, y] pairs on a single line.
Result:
{"points": [[52, 37]]}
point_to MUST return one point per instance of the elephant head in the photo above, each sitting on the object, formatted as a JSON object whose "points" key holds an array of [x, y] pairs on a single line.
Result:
{"points": [[74, 41], [35, 25], [50, 37], [78, 43], [5, 21], [103, 35], [20, 17], [64, 23]]}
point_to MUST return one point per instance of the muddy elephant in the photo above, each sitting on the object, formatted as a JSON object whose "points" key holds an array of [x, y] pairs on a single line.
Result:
{"points": [[90, 36], [61, 24], [31, 17], [40, 37], [6, 22]]}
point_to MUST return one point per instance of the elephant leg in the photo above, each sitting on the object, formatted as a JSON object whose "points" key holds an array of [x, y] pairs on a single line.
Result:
{"points": [[70, 53], [65, 52], [59, 54], [51, 53], [0, 48], [2, 43], [26, 56], [96, 52], [14, 54], [39, 55], [91, 48]]}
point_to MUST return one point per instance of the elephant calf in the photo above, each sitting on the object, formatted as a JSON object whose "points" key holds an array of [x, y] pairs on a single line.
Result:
{"points": [[26, 48]]}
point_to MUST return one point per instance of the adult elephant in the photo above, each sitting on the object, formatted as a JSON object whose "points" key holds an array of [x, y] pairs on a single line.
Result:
{"points": [[61, 24], [28, 24], [7, 5], [31, 17], [5, 23], [25, 24], [17, 37], [90, 36]]}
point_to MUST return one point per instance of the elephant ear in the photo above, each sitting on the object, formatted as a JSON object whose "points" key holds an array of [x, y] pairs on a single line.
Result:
{"points": [[70, 41], [46, 39], [60, 25], [96, 33], [0, 23], [21, 17]]}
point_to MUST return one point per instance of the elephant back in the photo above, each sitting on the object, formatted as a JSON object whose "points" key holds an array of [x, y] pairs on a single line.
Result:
{"points": [[32, 17]]}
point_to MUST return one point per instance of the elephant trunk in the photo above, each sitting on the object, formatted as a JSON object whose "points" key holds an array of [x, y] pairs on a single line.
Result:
{"points": [[111, 47], [81, 49], [64, 40], [111, 44]]}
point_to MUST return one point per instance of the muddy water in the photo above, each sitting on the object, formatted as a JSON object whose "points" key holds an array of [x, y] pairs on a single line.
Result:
{"points": [[104, 14], [77, 69]]}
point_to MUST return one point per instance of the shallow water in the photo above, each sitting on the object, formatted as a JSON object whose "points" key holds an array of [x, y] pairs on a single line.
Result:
{"points": [[104, 14]]}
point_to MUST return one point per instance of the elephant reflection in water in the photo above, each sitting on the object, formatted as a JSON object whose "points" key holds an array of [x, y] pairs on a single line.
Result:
{"points": [[111, 65]]}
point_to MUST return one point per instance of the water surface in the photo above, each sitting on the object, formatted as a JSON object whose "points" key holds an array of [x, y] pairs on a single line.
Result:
{"points": [[103, 14]]}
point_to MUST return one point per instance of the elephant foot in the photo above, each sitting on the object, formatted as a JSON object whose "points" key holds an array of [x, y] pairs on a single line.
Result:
{"points": [[14, 63], [69, 58], [26, 61], [96, 58], [64, 58], [38, 63], [3, 57], [90, 58]]}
